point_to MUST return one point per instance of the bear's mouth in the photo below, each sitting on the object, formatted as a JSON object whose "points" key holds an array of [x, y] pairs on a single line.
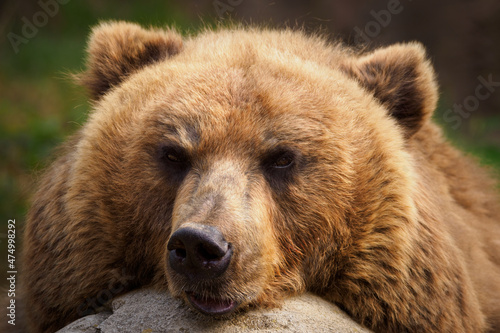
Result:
{"points": [[211, 306]]}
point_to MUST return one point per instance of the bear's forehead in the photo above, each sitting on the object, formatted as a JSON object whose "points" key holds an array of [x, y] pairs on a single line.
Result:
{"points": [[240, 127], [234, 68], [263, 91], [224, 105]]}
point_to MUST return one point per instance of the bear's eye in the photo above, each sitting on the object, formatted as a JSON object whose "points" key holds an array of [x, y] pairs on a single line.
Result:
{"points": [[279, 167], [175, 159], [284, 160]]}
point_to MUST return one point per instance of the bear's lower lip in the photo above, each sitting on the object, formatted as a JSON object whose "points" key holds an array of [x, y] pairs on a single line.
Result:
{"points": [[211, 306]]}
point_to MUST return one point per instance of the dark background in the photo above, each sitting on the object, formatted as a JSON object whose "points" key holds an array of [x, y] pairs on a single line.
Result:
{"points": [[40, 106]]}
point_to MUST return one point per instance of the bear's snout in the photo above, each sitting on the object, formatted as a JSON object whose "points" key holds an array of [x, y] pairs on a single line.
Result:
{"points": [[199, 252]]}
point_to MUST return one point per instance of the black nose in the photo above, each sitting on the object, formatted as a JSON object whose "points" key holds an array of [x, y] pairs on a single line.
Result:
{"points": [[199, 252]]}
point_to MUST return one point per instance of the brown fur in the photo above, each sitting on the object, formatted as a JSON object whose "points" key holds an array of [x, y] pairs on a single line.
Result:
{"points": [[377, 213]]}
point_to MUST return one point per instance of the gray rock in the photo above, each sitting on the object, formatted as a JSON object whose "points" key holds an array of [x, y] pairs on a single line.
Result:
{"points": [[148, 311]]}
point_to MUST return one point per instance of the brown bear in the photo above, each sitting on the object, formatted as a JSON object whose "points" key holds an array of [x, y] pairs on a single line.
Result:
{"points": [[240, 166]]}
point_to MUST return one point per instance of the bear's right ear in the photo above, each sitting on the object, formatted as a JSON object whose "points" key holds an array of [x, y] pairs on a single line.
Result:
{"points": [[117, 49], [402, 79]]}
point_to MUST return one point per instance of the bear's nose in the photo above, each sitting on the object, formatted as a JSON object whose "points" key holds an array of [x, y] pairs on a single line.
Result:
{"points": [[199, 252]]}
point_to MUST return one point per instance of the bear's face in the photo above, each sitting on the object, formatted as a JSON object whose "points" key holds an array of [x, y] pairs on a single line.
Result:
{"points": [[226, 149], [238, 162]]}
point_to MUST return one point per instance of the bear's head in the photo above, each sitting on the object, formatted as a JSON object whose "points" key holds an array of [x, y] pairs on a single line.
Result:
{"points": [[242, 165]]}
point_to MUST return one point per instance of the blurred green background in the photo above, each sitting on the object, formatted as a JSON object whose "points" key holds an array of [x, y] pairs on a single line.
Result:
{"points": [[40, 106]]}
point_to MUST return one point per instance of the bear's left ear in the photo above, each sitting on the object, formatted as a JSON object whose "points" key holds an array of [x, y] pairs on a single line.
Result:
{"points": [[402, 79], [117, 49]]}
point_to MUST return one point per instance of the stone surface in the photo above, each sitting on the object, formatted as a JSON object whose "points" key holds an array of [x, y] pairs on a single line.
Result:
{"points": [[148, 311]]}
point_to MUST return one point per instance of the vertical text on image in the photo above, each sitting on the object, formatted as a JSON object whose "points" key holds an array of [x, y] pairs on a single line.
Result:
{"points": [[11, 271]]}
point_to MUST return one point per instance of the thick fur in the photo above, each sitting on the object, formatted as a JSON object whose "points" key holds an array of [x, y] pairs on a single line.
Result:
{"points": [[377, 213]]}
